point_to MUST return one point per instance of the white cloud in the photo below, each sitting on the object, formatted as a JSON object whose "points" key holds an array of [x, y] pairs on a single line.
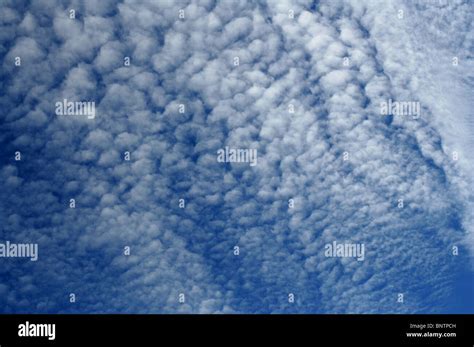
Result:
{"points": [[283, 61]]}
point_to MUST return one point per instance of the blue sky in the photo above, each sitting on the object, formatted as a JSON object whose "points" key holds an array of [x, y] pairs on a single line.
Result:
{"points": [[343, 164]]}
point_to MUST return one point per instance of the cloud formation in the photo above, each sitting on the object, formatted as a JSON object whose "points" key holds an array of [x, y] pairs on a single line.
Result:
{"points": [[299, 81]]}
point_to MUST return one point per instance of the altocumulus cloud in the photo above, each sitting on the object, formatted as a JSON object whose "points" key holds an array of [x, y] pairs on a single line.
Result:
{"points": [[301, 83]]}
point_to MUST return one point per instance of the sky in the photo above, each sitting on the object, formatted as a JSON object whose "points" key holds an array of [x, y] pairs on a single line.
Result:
{"points": [[160, 225]]}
